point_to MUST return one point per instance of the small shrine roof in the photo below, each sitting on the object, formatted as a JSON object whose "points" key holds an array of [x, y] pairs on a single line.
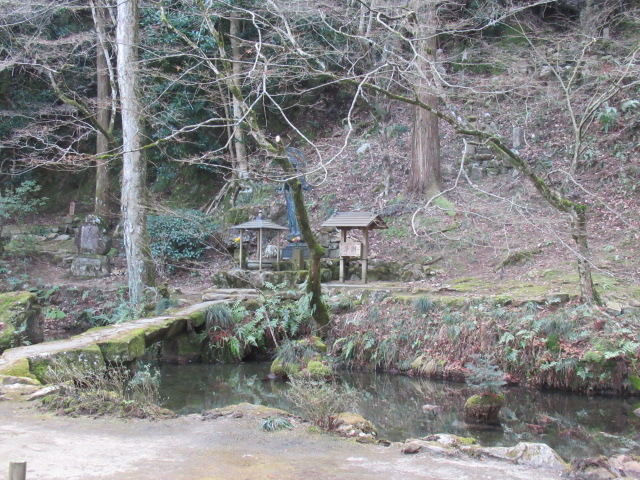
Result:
{"points": [[368, 220], [258, 224]]}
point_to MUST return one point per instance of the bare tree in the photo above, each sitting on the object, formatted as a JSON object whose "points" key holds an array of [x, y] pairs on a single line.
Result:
{"points": [[139, 263]]}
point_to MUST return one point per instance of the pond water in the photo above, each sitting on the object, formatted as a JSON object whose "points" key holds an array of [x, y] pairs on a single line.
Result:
{"points": [[575, 426]]}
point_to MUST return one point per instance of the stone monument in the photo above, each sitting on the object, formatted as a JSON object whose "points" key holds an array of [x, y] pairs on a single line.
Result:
{"points": [[93, 243]]}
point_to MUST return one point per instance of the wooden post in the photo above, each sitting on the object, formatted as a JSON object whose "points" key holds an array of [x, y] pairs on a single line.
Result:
{"points": [[343, 238], [278, 244], [17, 470], [260, 249], [241, 251], [364, 258]]}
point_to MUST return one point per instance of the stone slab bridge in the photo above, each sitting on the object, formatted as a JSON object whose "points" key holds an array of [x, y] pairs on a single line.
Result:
{"points": [[112, 344]]}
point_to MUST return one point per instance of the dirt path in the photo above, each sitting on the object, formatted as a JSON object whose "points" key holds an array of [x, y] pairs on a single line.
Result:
{"points": [[188, 448]]}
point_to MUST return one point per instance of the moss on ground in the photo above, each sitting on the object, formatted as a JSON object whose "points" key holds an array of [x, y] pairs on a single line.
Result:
{"points": [[19, 368]]}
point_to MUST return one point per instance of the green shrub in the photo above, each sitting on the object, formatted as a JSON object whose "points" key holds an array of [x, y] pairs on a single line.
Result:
{"points": [[182, 236], [53, 313], [88, 390], [20, 201], [424, 305], [218, 316], [608, 117], [163, 305], [320, 402], [166, 176]]}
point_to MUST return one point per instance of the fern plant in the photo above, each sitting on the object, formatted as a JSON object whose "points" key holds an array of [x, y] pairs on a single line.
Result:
{"points": [[273, 424]]}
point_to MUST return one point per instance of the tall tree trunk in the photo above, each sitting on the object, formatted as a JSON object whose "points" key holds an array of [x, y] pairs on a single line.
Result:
{"points": [[139, 265], [242, 167], [588, 292], [425, 175], [103, 118], [5, 90]]}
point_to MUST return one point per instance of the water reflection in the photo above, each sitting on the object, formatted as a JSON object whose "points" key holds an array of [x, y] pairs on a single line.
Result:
{"points": [[575, 426]]}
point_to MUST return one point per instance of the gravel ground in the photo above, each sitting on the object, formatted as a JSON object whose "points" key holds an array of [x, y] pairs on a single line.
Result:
{"points": [[227, 448]]}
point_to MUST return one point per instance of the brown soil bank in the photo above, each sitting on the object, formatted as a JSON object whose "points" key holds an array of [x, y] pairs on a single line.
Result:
{"points": [[225, 448]]}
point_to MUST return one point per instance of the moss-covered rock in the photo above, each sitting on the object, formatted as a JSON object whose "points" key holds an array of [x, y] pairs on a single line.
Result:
{"points": [[428, 367], [379, 270], [89, 358], [19, 320], [483, 408], [157, 332], [284, 370], [316, 343], [235, 278], [252, 304], [185, 348], [326, 275], [350, 424], [19, 368], [197, 319], [124, 348], [449, 440], [220, 280], [317, 370]]}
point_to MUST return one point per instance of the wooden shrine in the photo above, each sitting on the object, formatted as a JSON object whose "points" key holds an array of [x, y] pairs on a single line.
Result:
{"points": [[259, 224], [345, 221]]}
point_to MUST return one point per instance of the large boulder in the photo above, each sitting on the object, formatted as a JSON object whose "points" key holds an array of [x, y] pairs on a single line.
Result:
{"points": [[483, 408], [603, 468], [625, 466], [536, 455], [20, 320], [348, 424]]}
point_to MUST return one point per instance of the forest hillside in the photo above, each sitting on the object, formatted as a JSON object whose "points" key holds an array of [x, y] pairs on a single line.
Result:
{"points": [[497, 140]]}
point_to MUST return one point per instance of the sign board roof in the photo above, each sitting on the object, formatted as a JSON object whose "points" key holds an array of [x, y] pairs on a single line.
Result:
{"points": [[367, 220]]}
